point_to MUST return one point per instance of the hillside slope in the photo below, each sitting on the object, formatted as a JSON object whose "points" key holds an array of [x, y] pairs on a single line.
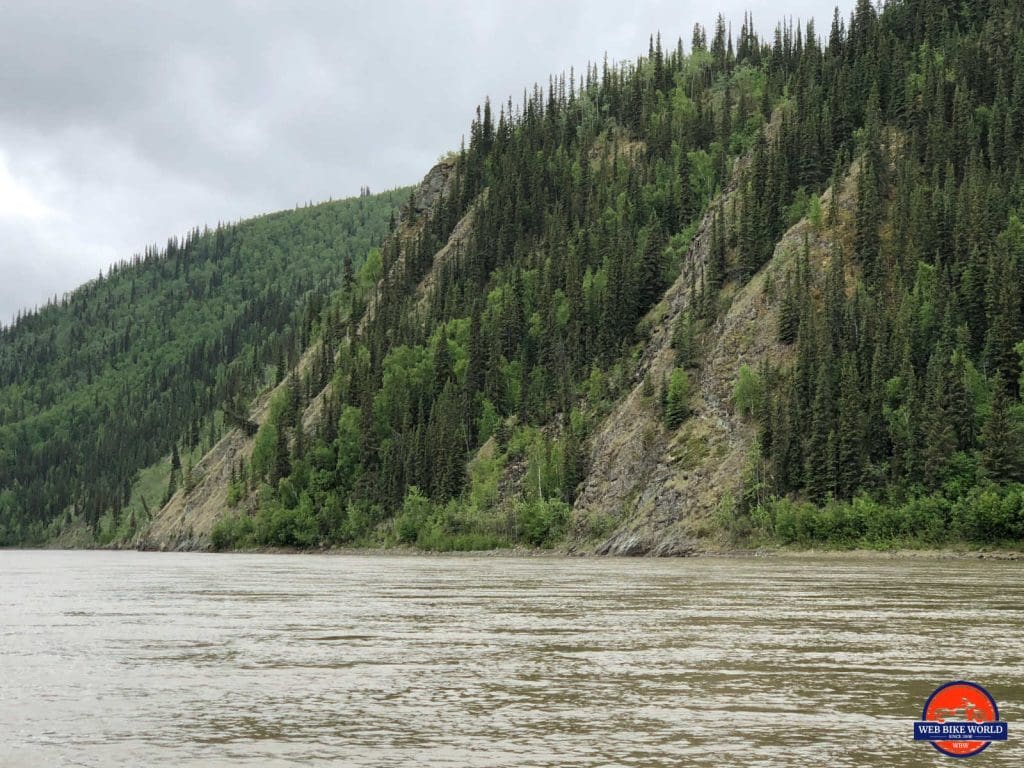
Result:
{"points": [[746, 292], [187, 519], [98, 387], [662, 487], [588, 344]]}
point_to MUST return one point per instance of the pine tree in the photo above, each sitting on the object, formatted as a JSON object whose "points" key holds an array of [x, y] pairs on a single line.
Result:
{"points": [[282, 466], [940, 436], [820, 458], [867, 239], [961, 408], [448, 441], [1002, 438], [172, 482], [652, 266], [789, 311], [716, 264], [677, 398], [850, 453], [684, 340], [348, 274], [443, 371], [1005, 328]]}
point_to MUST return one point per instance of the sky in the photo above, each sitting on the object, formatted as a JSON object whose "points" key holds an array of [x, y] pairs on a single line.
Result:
{"points": [[123, 123]]}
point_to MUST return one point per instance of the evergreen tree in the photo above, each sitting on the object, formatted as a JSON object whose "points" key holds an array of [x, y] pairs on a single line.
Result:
{"points": [[820, 459], [677, 398], [850, 452], [1002, 438], [282, 465], [172, 482]]}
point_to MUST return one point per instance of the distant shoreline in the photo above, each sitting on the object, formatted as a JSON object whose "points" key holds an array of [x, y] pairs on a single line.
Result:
{"points": [[556, 553]]}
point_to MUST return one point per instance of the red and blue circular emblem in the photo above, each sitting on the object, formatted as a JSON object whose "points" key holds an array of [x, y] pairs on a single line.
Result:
{"points": [[960, 719]]}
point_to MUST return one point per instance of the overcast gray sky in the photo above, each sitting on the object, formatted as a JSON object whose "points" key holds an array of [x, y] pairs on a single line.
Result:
{"points": [[122, 123]]}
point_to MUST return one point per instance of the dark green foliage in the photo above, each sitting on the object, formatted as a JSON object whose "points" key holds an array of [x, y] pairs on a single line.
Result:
{"points": [[593, 190], [172, 483], [716, 268], [98, 385], [901, 377], [543, 522], [685, 341], [282, 464], [985, 515], [906, 374], [677, 398], [1002, 438]]}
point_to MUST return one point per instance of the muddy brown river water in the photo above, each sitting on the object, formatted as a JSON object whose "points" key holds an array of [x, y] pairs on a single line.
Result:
{"points": [[137, 659]]}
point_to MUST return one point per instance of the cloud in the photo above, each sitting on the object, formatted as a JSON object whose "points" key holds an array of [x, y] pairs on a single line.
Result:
{"points": [[124, 123], [16, 199]]}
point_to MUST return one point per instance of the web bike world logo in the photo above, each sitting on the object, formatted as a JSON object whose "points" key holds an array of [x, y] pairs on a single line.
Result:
{"points": [[960, 719]]}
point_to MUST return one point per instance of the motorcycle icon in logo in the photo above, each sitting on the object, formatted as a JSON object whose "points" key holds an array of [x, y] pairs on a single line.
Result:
{"points": [[969, 711], [960, 719]]}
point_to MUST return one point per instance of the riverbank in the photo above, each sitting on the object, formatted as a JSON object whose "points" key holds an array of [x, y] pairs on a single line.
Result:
{"points": [[574, 550], [895, 554], [561, 552]]}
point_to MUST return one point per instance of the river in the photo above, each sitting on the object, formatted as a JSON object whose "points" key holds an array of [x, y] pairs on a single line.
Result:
{"points": [[137, 659]]}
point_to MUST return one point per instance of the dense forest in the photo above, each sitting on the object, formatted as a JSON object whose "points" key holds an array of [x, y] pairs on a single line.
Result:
{"points": [[464, 389], [160, 353], [897, 415]]}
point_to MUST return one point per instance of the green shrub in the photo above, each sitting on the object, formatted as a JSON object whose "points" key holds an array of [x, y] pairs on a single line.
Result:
{"points": [[437, 540], [798, 208], [360, 519], [233, 531], [783, 515], [990, 514], [746, 391], [236, 491], [542, 522], [986, 515], [279, 526], [814, 212], [488, 421], [484, 477], [414, 517], [598, 525]]}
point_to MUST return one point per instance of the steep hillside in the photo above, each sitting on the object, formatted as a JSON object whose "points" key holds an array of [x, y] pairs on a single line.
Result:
{"points": [[187, 519], [733, 293], [525, 378], [108, 394], [661, 488]]}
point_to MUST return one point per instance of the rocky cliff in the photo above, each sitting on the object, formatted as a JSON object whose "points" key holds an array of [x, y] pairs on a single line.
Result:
{"points": [[663, 488]]}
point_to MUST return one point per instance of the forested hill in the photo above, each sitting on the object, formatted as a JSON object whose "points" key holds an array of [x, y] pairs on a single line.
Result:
{"points": [[159, 355], [739, 289]]}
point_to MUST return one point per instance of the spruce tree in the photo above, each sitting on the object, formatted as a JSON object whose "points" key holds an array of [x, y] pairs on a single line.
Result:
{"points": [[820, 462], [652, 267], [850, 452], [282, 466], [677, 398], [1002, 438]]}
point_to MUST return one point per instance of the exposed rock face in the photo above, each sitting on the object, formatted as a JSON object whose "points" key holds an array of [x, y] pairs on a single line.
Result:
{"points": [[435, 184], [453, 249], [630, 461], [661, 489], [187, 520], [656, 490]]}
